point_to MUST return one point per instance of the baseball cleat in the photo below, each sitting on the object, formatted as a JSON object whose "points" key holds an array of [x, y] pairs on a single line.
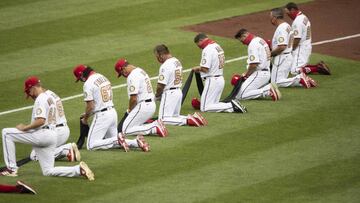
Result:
{"points": [[74, 153], [161, 129], [238, 108], [122, 142], [24, 188], [8, 172], [275, 92], [304, 81], [200, 118], [142, 143], [311, 81], [323, 68], [192, 121], [86, 171]]}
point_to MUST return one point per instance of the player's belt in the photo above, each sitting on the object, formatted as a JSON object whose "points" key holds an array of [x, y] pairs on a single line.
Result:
{"points": [[286, 53], [173, 88], [148, 100], [60, 125], [105, 109], [214, 76], [265, 69]]}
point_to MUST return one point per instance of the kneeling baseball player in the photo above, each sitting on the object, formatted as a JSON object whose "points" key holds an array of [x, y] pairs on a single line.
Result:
{"points": [[169, 92], [103, 132], [141, 102], [257, 75]]}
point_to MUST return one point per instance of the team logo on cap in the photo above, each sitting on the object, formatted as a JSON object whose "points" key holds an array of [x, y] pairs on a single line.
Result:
{"points": [[161, 77], [132, 88], [281, 39], [38, 111], [252, 57]]}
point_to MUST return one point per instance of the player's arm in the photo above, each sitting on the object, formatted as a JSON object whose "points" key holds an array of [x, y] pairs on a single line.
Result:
{"points": [[296, 43], [252, 68], [33, 125], [279, 49], [89, 109], [200, 69], [132, 102], [159, 90]]}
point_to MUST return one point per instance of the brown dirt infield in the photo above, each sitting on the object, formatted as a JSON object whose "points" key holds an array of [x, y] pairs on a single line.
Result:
{"points": [[330, 19]]}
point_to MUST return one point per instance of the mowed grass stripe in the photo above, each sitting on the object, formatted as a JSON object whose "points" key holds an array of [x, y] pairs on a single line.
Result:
{"points": [[52, 10], [223, 174], [335, 181]]}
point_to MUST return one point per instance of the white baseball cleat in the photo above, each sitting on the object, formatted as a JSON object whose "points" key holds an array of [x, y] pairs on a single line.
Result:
{"points": [[86, 171], [275, 92], [24, 188], [74, 153], [122, 142], [161, 129], [192, 121], [200, 118], [142, 143], [8, 172]]}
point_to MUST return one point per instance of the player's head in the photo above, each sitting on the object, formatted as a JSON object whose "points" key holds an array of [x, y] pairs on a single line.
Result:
{"points": [[120, 67], [244, 36], [82, 72], [202, 40], [275, 14], [162, 53], [291, 10], [30, 85]]}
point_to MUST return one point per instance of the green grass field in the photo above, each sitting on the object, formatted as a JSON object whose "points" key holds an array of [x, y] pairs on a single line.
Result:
{"points": [[304, 148]]}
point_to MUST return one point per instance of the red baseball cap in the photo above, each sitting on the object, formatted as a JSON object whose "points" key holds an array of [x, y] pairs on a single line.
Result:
{"points": [[78, 71], [120, 64], [29, 83], [235, 78], [195, 103]]}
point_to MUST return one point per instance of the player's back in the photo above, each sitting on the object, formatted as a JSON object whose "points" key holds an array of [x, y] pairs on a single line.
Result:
{"points": [[97, 88], [44, 107], [259, 52], [171, 73], [139, 83], [302, 29], [213, 58], [283, 36], [60, 113]]}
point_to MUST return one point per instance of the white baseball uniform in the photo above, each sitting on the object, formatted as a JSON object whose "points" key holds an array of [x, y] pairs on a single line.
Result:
{"points": [[213, 58], [62, 130], [103, 129], [138, 83], [170, 75], [302, 29], [257, 84], [43, 140], [282, 63]]}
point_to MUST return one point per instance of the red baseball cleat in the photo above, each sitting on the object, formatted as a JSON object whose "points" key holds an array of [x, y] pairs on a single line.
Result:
{"points": [[122, 142], [142, 143]]}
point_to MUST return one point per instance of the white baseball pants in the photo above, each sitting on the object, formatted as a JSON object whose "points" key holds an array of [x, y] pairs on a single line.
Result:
{"points": [[103, 131], [170, 106], [280, 71], [255, 86], [301, 57], [210, 98], [134, 122], [43, 142]]}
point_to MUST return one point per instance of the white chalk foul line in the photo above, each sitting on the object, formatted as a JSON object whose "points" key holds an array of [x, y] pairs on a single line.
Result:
{"points": [[187, 70]]}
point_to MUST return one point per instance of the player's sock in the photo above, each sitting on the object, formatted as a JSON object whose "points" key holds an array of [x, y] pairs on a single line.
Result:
{"points": [[310, 69], [9, 188]]}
